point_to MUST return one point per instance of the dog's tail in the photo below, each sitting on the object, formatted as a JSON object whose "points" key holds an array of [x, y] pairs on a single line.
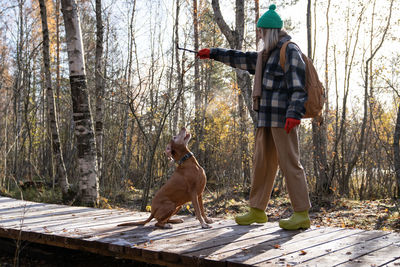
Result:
{"points": [[137, 223]]}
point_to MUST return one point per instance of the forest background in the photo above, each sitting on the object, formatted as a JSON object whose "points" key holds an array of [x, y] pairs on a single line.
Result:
{"points": [[139, 89]]}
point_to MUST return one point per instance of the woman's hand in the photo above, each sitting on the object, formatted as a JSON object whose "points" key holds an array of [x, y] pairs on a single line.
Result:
{"points": [[290, 124], [203, 53]]}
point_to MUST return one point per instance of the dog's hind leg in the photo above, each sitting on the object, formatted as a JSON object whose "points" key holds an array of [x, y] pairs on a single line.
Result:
{"points": [[163, 214], [175, 220]]}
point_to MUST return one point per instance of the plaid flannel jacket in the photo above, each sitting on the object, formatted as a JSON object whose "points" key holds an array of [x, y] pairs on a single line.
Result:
{"points": [[283, 94]]}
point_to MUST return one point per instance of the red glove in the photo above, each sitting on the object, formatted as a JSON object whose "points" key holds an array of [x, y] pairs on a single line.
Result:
{"points": [[290, 124], [203, 53]]}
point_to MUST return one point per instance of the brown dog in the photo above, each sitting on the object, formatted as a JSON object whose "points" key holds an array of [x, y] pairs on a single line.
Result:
{"points": [[186, 184]]}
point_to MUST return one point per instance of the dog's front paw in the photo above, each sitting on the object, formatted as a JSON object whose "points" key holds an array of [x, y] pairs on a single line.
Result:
{"points": [[206, 226]]}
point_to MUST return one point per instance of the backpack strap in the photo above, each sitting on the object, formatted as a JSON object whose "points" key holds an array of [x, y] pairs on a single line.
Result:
{"points": [[282, 54]]}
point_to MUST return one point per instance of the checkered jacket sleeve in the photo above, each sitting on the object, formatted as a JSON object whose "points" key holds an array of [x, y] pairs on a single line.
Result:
{"points": [[235, 58], [295, 77]]}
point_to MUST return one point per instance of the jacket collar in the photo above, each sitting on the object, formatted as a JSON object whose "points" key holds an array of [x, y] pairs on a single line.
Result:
{"points": [[283, 40]]}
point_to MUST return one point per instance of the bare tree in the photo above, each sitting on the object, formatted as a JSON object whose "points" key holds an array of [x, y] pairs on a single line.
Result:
{"points": [[99, 77], [86, 145], [197, 92], [323, 183], [58, 159], [396, 151], [361, 143], [235, 40]]}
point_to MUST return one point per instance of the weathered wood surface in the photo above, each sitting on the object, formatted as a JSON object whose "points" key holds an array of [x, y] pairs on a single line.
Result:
{"points": [[187, 244]]}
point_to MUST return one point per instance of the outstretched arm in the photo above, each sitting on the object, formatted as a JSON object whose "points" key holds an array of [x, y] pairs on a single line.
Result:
{"points": [[234, 58]]}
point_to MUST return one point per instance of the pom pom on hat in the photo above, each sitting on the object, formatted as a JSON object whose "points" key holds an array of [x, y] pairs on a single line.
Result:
{"points": [[270, 19]]}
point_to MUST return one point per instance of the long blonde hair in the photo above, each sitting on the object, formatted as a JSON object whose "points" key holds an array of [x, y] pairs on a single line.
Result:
{"points": [[270, 38]]}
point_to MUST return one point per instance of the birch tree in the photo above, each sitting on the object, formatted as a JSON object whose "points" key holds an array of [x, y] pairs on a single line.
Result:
{"points": [[86, 146]]}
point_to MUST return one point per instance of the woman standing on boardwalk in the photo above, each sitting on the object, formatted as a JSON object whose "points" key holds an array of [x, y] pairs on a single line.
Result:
{"points": [[278, 99]]}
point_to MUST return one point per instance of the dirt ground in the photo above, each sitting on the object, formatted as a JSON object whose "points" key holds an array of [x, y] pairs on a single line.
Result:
{"points": [[368, 215]]}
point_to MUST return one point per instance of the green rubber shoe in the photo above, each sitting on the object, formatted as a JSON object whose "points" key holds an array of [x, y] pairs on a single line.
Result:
{"points": [[299, 220], [253, 216]]}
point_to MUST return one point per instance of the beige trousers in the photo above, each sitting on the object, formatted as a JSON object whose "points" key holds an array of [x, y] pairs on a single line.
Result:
{"points": [[274, 146]]}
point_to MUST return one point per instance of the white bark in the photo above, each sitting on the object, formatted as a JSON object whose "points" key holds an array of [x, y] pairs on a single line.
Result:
{"points": [[84, 132]]}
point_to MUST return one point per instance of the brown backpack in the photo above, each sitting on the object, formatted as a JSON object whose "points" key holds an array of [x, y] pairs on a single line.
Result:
{"points": [[314, 88]]}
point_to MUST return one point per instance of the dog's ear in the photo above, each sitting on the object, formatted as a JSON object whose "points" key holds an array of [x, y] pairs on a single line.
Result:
{"points": [[168, 152]]}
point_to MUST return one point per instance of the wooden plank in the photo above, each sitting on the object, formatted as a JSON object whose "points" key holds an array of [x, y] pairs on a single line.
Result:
{"points": [[378, 254], [339, 250], [242, 251], [187, 244], [394, 263], [364, 244], [271, 250], [180, 237]]}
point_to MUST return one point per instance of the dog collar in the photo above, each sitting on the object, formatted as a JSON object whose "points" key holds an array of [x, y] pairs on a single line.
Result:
{"points": [[187, 156]]}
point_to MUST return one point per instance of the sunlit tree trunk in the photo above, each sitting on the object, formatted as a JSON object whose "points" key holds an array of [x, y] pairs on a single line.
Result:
{"points": [[179, 68], [197, 93], [86, 145], [60, 171]]}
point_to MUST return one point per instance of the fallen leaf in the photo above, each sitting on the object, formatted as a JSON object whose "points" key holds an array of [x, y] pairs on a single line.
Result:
{"points": [[302, 252], [277, 246]]}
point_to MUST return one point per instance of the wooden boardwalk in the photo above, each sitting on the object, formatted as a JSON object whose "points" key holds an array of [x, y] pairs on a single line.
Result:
{"points": [[226, 244]]}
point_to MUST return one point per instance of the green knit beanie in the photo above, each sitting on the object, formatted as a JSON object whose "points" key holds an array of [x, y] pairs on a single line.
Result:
{"points": [[270, 19]]}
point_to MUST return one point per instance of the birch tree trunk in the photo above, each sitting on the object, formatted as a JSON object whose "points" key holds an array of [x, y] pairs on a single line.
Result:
{"points": [[60, 171], [99, 77], [86, 146]]}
